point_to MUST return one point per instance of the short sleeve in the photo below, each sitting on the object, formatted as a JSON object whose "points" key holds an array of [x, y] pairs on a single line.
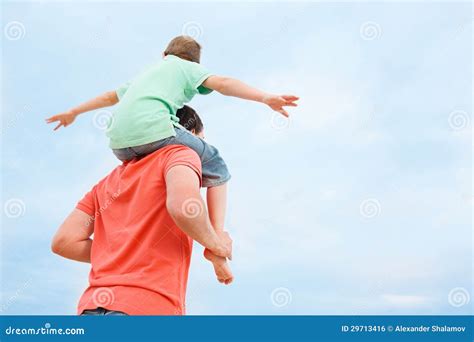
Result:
{"points": [[203, 90], [197, 74], [182, 155], [87, 203], [122, 90]]}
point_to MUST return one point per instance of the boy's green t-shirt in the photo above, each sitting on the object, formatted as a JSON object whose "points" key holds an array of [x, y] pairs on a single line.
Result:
{"points": [[147, 108]]}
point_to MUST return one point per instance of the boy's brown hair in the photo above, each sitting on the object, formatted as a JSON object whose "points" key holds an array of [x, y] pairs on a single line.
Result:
{"points": [[184, 47]]}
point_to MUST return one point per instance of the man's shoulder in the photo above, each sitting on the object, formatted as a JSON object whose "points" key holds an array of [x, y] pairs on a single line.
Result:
{"points": [[161, 158], [175, 152], [150, 170], [175, 155]]}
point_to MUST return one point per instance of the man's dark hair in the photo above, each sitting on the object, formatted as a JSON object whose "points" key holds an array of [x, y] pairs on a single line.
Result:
{"points": [[189, 119], [184, 47]]}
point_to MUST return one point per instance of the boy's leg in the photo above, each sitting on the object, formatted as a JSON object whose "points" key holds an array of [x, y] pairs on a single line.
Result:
{"points": [[217, 205]]}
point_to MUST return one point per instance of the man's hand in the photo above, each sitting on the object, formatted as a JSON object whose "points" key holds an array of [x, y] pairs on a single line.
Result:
{"points": [[65, 119], [226, 240], [224, 246], [277, 102]]}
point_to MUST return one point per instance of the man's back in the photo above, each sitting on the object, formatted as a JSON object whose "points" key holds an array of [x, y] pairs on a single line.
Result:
{"points": [[139, 257]]}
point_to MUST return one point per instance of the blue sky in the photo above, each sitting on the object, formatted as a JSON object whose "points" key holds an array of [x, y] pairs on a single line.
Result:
{"points": [[360, 204]]}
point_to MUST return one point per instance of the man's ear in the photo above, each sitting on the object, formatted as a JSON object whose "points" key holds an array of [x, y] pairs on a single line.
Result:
{"points": [[193, 131]]}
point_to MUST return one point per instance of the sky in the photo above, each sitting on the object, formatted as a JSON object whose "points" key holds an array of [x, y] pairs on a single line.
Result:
{"points": [[361, 203]]}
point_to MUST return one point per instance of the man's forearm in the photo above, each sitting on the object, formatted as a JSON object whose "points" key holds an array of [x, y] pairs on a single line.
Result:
{"points": [[78, 250], [105, 100], [196, 224], [72, 240], [186, 207]]}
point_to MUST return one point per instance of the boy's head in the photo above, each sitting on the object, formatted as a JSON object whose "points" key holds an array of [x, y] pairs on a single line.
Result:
{"points": [[184, 47], [189, 119]]}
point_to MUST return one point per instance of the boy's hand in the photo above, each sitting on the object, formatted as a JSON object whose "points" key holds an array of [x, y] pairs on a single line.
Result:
{"points": [[65, 119], [277, 102]]}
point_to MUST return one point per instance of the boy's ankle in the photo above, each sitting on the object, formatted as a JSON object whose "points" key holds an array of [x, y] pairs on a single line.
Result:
{"points": [[217, 260]]}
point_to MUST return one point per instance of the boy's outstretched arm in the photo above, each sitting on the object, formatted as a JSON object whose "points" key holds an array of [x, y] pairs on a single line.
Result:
{"points": [[233, 87], [65, 119]]}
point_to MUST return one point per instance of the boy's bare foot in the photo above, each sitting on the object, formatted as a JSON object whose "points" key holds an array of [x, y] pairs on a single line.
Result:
{"points": [[221, 267]]}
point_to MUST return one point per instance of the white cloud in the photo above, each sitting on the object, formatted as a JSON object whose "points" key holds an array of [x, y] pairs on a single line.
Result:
{"points": [[405, 301]]}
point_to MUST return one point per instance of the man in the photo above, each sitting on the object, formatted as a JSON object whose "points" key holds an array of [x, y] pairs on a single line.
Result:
{"points": [[144, 216]]}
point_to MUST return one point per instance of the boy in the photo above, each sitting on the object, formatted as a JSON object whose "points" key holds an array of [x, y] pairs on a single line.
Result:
{"points": [[145, 118]]}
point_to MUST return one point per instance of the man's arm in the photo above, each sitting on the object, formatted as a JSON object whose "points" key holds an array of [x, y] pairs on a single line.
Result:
{"points": [[65, 119], [72, 240], [187, 208], [233, 87]]}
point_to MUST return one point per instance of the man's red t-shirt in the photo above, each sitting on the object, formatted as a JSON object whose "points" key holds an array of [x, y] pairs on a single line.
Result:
{"points": [[140, 258]]}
